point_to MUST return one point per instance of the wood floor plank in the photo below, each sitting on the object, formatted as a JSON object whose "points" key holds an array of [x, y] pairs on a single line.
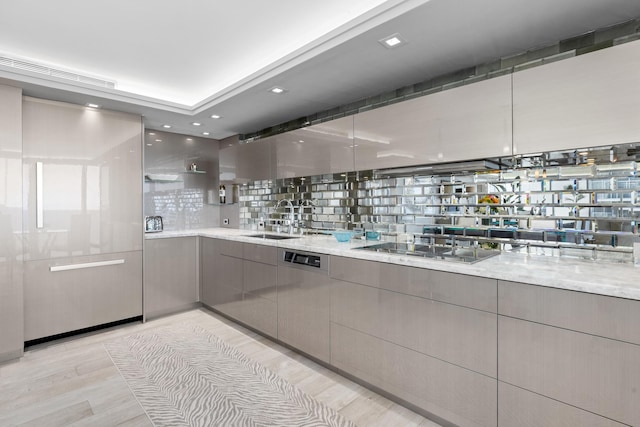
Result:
{"points": [[126, 413], [61, 417]]}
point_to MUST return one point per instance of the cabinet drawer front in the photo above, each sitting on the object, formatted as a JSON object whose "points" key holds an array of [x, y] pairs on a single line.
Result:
{"points": [[522, 408], [259, 313], [596, 374], [63, 301], [230, 273], [460, 396], [459, 335], [600, 315], [261, 253], [260, 279], [231, 248], [469, 291]]}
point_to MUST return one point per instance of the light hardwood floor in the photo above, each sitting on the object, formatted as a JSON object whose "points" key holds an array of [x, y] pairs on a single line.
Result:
{"points": [[73, 382]]}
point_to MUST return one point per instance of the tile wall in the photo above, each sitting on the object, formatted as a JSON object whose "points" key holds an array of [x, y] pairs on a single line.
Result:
{"points": [[589, 203]]}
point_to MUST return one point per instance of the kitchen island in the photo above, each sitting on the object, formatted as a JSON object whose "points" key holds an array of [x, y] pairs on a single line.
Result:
{"points": [[510, 340]]}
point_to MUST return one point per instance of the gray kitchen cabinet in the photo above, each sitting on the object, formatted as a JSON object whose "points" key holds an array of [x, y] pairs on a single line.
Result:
{"points": [[209, 270], [11, 292], [611, 317], [458, 395], [586, 101], [522, 408], [231, 248], [67, 294], [260, 253], [171, 275], [82, 222], [221, 275], [426, 336], [243, 289], [577, 348], [325, 148], [596, 374], [255, 161], [455, 334], [467, 291], [259, 300], [304, 299], [463, 123]]}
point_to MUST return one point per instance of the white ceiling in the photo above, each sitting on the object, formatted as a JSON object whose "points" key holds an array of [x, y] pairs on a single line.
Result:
{"points": [[180, 62]]}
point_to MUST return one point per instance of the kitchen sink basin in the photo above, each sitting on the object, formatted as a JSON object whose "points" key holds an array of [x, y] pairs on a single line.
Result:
{"points": [[272, 236], [446, 253]]}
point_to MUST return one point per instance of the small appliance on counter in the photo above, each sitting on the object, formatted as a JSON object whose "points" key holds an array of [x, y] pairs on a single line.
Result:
{"points": [[152, 224]]}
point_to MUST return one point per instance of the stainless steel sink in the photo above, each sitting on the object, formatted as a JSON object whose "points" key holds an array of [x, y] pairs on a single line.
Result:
{"points": [[272, 236], [467, 255]]}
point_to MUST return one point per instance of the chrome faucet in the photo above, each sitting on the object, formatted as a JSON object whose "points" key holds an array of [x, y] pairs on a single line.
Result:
{"points": [[291, 219]]}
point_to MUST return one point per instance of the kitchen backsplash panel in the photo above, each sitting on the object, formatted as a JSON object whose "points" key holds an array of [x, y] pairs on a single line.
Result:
{"points": [[576, 202], [181, 180]]}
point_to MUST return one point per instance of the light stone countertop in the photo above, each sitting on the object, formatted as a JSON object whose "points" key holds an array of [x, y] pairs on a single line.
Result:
{"points": [[597, 277]]}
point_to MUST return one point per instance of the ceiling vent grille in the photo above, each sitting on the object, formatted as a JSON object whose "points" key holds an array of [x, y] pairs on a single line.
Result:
{"points": [[54, 72]]}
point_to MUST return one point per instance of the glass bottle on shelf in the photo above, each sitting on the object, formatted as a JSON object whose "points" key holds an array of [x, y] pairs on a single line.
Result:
{"points": [[223, 196]]}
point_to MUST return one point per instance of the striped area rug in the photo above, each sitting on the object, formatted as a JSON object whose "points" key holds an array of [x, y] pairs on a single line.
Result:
{"points": [[183, 375]]}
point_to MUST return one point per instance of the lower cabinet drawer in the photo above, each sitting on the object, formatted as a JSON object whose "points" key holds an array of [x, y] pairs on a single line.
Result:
{"points": [[231, 248], [598, 375], [522, 408], [259, 313], [459, 335], [458, 395], [260, 253], [67, 294]]}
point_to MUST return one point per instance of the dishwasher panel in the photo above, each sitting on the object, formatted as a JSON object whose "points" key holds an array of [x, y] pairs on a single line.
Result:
{"points": [[304, 302]]}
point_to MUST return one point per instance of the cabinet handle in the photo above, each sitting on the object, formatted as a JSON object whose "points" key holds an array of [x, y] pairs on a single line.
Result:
{"points": [[86, 265], [39, 197]]}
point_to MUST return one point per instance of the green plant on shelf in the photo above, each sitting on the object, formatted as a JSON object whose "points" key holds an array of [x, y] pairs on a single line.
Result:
{"points": [[574, 196]]}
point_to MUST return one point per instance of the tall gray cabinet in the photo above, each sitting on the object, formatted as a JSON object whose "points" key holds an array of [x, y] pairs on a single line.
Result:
{"points": [[82, 218], [11, 332]]}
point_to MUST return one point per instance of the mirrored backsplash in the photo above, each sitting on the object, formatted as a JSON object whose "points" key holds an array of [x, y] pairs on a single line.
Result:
{"points": [[581, 203]]}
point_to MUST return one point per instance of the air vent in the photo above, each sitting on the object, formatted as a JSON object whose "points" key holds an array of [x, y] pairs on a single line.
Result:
{"points": [[53, 72]]}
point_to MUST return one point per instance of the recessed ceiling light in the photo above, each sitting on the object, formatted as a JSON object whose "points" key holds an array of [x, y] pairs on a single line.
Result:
{"points": [[149, 144], [189, 139], [277, 90], [206, 133], [215, 116], [90, 105], [152, 133], [301, 141], [166, 126], [394, 40], [158, 140], [196, 124]]}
